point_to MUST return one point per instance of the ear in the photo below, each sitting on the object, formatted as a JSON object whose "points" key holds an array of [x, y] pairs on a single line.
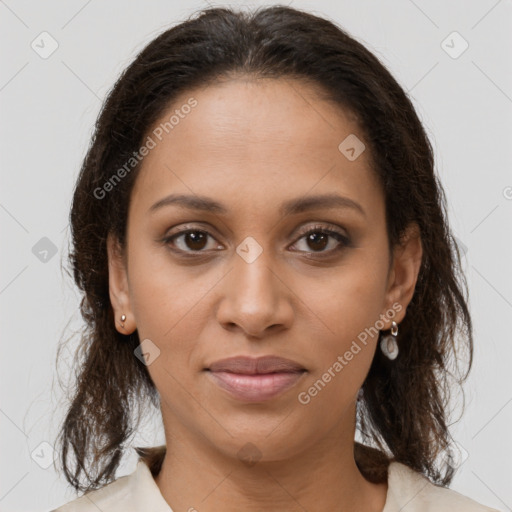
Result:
{"points": [[403, 274], [118, 287]]}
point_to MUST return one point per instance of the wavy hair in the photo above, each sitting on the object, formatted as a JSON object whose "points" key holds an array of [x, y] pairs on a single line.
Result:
{"points": [[404, 409]]}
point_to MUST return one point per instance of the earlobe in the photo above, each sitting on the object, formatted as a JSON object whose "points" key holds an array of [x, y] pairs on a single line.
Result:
{"points": [[407, 258], [119, 288]]}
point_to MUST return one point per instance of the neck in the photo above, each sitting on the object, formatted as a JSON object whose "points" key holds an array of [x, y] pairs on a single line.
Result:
{"points": [[197, 476]]}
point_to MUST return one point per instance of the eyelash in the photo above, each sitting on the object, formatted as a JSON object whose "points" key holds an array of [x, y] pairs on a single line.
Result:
{"points": [[343, 240]]}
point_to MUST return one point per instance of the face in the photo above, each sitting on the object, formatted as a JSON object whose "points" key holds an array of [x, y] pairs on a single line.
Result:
{"points": [[251, 234]]}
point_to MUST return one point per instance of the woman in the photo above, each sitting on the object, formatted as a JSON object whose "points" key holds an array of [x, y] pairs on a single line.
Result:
{"points": [[264, 253]]}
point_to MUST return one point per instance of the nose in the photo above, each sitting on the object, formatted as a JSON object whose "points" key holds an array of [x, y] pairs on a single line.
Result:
{"points": [[256, 299]]}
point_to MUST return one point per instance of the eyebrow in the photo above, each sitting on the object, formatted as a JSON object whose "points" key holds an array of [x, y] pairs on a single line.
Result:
{"points": [[290, 207]]}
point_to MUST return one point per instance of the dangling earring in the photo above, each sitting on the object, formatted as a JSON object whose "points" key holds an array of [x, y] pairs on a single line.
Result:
{"points": [[123, 318], [388, 343]]}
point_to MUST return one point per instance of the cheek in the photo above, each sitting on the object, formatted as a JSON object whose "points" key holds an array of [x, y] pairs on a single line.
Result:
{"points": [[172, 307], [170, 310], [349, 305], [356, 307], [163, 296], [351, 300]]}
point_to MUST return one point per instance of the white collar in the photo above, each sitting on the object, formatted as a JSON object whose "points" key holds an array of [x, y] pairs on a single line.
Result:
{"points": [[408, 491], [404, 485]]}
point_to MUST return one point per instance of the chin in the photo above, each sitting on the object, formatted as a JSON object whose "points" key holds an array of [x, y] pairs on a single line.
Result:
{"points": [[261, 442]]}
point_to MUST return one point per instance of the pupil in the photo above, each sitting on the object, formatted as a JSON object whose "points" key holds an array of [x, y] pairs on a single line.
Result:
{"points": [[195, 240], [315, 238]]}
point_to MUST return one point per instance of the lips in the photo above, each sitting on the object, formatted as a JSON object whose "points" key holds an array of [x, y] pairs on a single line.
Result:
{"points": [[253, 366], [255, 379]]}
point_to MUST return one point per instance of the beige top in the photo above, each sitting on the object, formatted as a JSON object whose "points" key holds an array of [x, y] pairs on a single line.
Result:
{"points": [[408, 491]]}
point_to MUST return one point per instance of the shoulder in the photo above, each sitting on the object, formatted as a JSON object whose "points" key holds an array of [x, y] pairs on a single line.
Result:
{"points": [[410, 491], [130, 493], [113, 497], [101, 499]]}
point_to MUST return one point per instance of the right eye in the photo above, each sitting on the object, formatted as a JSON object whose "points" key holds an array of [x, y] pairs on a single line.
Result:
{"points": [[190, 240]]}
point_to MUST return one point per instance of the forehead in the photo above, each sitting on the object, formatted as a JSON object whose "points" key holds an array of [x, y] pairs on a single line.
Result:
{"points": [[243, 113], [243, 137]]}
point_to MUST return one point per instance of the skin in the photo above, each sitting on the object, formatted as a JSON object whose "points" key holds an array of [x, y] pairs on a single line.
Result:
{"points": [[251, 145]]}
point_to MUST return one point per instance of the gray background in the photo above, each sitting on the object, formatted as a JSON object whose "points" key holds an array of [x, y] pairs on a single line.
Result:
{"points": [[48, 109]]}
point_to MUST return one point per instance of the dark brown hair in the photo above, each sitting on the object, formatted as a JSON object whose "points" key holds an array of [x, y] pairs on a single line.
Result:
{"points": [[404, 410]]}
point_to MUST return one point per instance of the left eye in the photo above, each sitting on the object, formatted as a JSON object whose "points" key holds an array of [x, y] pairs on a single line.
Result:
{"points": [[323, 240]]}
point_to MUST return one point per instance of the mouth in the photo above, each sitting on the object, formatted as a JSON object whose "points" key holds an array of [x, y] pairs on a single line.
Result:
{"points": [[264, 365], [255, 379]]}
